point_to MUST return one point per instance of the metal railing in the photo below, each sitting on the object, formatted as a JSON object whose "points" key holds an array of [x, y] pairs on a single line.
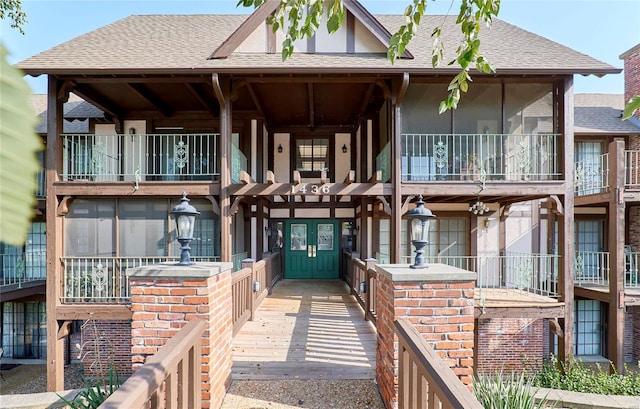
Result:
{"points": [[170, 379], [631, 273], [139, 157], [424, 380], [592, 175], [24, 267], [528, 272], [632, 165], [592, 267], [104, 279], [481, 157], [41, 189]]}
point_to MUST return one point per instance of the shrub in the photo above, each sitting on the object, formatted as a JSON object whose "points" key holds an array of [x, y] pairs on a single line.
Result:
{"points": [[506, 392], [576, 376]]}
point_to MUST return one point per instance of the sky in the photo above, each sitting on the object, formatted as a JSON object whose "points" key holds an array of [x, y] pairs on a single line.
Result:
{"points": [[603, 29]]}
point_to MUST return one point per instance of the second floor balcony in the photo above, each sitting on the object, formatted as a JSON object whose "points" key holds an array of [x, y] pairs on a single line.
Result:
{"points": [[140, 157], [594, 268], [592, 174], [478, 157]]}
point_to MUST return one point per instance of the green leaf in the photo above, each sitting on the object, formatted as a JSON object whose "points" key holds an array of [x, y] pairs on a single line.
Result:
{"points": [[18, 147], [632, 106]]}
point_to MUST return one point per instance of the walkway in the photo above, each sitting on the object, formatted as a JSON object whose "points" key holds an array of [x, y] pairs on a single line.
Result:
{"points": [[307, 329]]}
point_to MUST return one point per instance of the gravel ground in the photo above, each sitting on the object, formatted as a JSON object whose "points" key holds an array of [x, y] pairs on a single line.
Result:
{"points": [[315, 394], [33, 379]]}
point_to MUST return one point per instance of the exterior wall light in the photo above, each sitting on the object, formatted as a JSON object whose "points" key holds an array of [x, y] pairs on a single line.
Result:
{"points": [[185, 217], [419, 219], [280, 148], [344, 148]]}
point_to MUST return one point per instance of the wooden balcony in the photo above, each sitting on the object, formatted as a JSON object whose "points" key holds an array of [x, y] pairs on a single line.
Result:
{"points": [[475, 157], [512, 284], [592, 274]]}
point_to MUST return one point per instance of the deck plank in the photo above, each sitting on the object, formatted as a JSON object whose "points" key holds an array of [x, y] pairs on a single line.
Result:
{"points": [[306, 329]]}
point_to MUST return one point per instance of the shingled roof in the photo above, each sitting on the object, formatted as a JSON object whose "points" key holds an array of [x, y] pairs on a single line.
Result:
{"points": [[184, 43], [601, 114], [76, 113]]}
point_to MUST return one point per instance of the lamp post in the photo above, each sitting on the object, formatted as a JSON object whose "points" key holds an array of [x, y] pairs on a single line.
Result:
{"points": [[185, 216], [419, 219]]}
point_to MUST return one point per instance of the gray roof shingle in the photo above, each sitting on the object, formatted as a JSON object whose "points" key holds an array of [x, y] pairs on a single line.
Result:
{"points": [[183, 43], [76, 113], [601, 114]]}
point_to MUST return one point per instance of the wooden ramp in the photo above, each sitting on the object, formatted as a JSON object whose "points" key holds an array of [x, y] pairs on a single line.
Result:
{"points": [[307, 329]]}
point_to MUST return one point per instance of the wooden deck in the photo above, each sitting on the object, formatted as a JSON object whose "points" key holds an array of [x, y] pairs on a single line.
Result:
{"points": [[514, 303], [307, 329]]}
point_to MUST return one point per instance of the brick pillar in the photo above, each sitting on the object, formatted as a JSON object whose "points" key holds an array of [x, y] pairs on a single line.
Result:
{"points": [[165, 297], [438, 301]]}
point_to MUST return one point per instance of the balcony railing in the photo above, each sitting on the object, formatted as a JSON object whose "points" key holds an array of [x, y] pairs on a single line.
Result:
{"points": [[41, 189], [524, 272], [22, 268], [383, 163], [592, 175], [481, 157], [129, 157], [632, 164], [592, 267], [104, 279]]}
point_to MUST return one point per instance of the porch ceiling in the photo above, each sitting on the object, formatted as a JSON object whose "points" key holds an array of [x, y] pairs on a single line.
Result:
{"points": [[310, 102]]}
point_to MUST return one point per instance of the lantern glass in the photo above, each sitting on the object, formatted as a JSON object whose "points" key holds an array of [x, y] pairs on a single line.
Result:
{"points": [[416, 229]]}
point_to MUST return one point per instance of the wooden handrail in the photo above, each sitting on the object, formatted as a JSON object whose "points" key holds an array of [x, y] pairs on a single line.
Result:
{"points": [[171, 376], [423, 377], [242, 298]]}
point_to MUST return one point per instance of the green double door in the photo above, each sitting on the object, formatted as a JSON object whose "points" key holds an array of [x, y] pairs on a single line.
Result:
{"points": [[311, 249]]}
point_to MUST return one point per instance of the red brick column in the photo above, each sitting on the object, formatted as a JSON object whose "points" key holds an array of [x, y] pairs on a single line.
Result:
{"points": [[438, 301], [165, 297]]}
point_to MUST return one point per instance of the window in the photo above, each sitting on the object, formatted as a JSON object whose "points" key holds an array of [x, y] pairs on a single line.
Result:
{"points": [[589, 320], [312, 155]]}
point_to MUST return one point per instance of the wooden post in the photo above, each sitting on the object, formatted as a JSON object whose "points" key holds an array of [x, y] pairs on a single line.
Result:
{"points": [[222, 92], [616, 256], [398, 91], [55, 345], [250, 263], [566, 226]]}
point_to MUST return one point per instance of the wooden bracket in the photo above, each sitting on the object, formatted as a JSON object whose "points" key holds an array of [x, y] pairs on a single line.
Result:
{"points": [[557, 207], [376, 177], [555, 327], [214, 205], [246, 178], [385, 204], [235, 205], [64, 329], [405, 205], [63, 206]]}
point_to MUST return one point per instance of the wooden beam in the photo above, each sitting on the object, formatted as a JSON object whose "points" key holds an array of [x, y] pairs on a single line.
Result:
{"points": [[335, 189], [400, 88], [297, 179], [202, 98], [312, 115], [386, 92], [376, 177], [271, 177], [245, 178], [146, 79], [166, 188], [319, 79], [255, 99], [100, 102], [75, 312], [558, 208], [351, 177], [535, 312], [143, 92]]}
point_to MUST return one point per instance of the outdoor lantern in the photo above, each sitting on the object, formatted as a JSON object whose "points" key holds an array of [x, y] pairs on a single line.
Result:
{"points": [[185, 216], [419, 219]]}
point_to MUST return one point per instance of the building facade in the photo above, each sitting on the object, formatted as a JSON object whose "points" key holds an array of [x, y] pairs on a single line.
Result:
{"points": [[321, 154]]}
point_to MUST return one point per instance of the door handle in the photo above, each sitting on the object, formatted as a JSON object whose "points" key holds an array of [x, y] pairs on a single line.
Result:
{"points": [[315, 249], [310, 250]]}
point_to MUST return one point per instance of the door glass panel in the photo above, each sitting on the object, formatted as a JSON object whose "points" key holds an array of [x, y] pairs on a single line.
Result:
{"points": [[298, 237], [325, 237]]}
